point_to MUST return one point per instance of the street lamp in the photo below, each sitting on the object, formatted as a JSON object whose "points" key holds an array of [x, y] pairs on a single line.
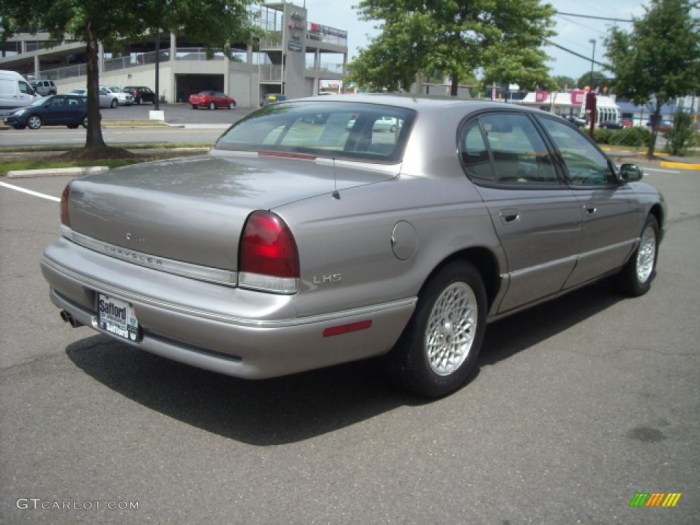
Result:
{"points": [[590, 97], [592, 41]]}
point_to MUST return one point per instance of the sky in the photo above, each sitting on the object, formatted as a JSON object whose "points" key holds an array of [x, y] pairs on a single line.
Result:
{"points": [[573, 33]]}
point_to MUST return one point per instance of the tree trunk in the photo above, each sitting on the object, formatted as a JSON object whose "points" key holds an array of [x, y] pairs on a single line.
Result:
{"points": [[455, 84], [419, 83], [94, 129], [655, 120]]}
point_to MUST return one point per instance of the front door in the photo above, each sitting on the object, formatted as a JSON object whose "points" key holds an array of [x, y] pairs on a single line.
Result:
{"points": [[610, 212]]}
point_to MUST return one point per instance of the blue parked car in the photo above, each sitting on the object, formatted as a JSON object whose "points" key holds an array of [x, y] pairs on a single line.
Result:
{"points": [[55, 110]]}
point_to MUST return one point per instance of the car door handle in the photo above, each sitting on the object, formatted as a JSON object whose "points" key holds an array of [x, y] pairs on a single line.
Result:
{"points": [[590, 210], [509, 216]]}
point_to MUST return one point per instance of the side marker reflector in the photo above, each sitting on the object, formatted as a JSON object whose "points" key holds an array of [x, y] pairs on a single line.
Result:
{"points": [[347, 328]]}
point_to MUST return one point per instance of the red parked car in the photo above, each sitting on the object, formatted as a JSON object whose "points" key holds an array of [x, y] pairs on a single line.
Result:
{"points": [[211, 100]]}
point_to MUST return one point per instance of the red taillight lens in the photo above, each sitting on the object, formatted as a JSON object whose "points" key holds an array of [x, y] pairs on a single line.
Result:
{"points": [[65, 196], [268, 249]]}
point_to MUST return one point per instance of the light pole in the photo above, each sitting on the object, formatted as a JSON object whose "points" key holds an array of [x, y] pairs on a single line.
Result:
{"points": [[590, 97], [592, 41]]}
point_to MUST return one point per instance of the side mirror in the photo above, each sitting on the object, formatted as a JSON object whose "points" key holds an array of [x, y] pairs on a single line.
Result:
{"points": [[631, 173]]}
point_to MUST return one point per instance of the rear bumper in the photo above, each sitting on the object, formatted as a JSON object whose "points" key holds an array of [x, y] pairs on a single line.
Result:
{"points": [[236, 332]]}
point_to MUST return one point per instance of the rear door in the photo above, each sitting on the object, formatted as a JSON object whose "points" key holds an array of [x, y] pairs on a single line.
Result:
{"points": [[535, 214]]}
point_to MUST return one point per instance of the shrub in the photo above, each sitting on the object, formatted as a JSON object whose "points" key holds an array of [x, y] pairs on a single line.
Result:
{"points": [[602, 136], [680, 137], [633, 137]]}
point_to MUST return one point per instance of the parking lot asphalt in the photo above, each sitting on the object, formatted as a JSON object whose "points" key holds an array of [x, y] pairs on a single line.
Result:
{"points": [[579, 404], [176, 114]]}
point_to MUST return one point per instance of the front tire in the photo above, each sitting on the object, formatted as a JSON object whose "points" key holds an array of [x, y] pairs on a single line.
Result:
{"points": [[437, 352], [635, 277], [34, 122], [114, 103], [232, 105], [212, 106]]}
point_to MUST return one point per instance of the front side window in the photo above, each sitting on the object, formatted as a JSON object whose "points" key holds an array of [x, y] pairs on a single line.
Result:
{"points": [[585, 165], [25, 88], [367, 132]]}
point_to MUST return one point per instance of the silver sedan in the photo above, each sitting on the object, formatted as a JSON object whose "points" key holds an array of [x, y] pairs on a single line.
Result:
{"points": [[107, 99], [301, 242]]}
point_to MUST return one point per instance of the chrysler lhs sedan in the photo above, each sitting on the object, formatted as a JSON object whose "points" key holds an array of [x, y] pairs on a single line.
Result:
{"points": [[298, 243]]}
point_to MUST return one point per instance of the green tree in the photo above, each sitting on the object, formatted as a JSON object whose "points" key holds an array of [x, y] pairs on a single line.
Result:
{"points": [[563, 81], [502, 38], [659, 60], [600, 81], [214, 23]]}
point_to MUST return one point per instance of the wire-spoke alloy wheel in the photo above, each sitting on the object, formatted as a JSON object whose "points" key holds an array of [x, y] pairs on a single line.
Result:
{"points": [[636, 276], [437, 352], [450, 332], [646, 254]]}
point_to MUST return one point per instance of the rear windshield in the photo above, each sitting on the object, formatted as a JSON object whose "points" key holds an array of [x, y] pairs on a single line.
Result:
{"points": [[367, 132]]}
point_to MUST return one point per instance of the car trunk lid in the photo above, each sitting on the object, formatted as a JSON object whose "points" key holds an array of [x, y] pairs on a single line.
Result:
{"points": [[194, 209]]}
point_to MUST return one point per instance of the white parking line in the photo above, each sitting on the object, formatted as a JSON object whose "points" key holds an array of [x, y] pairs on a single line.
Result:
{"points": [[676, 172], [30, 192]]}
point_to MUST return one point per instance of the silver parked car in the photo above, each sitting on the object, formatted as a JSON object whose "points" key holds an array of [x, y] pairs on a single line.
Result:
{"points": [[299, 242], [123, 98], [107, 99]]}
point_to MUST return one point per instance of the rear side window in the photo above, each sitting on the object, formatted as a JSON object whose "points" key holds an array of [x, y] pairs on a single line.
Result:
{"points": [[506, 148], [475, 153], [373, 133]]}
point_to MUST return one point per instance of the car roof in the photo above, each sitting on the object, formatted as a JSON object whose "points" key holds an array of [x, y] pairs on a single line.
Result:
{"points": [[421, 104]]}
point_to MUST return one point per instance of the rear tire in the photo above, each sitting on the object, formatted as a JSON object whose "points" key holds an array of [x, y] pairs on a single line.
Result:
{"points": [[212, 106], [635, 277], [437, 352], [194, 106]]}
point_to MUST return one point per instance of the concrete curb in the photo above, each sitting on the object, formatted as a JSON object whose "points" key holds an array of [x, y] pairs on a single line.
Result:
{"points": [[75, 172], [680, 165]]}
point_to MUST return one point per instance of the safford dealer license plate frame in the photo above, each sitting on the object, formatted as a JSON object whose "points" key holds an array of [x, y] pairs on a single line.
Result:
{"points": [[118, 318]]}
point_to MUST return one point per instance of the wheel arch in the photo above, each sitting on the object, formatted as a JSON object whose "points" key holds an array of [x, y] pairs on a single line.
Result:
{"points": [[486, 263], [658, 213]]}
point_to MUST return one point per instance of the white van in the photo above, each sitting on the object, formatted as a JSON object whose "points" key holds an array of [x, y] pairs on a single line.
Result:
{"points": [[15, 91]]}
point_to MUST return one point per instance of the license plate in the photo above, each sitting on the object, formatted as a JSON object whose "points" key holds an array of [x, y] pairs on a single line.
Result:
{"points": [[117, 317]]}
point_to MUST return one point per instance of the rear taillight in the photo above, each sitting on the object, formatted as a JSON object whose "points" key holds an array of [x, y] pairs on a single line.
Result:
{"points": [[65, 196], [268, 258]]}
